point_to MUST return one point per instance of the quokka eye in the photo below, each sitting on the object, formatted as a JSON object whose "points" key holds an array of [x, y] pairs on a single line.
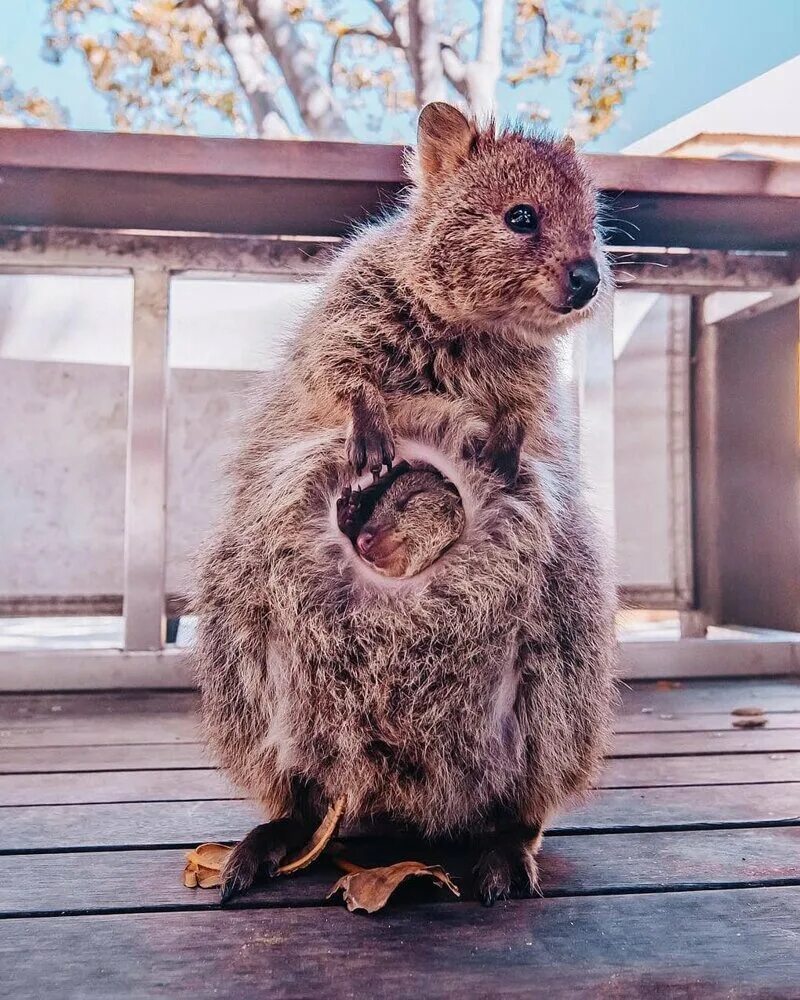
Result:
{"points": [[522, 219]]}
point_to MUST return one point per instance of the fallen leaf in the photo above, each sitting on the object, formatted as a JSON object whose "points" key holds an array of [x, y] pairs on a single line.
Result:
{"points": [[208, 879], [318, 842], [753, 722], [204, 866], [211, 856], [667, 685], [369, 889], [205, 863], [747, 711]]}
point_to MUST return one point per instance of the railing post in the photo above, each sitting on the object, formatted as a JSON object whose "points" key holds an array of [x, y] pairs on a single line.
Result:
{"points": [[593, 374], [146, 475]]}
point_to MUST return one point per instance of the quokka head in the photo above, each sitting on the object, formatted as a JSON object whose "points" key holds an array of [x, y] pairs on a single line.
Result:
{"points": [[415, 520], [504, 226]]}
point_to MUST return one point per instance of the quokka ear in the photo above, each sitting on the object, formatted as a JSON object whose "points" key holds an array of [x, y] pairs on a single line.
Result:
{"points": [[568, 142], [444, 139]]}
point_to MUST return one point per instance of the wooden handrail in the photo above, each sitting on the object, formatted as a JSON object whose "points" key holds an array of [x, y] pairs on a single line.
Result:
{"points": [[293, 187]]}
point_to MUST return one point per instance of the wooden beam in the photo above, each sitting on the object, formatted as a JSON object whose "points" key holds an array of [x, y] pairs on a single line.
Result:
{"points": [[192, 184], [74, 250]]}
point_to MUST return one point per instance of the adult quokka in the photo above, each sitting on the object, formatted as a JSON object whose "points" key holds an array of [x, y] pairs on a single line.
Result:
{"points": [[475, 696]]}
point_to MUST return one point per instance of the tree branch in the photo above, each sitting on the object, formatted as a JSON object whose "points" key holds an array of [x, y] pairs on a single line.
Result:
{"points": [[316, 103], [424, 52], [454, 68], [483, 74], [396, 20], [236, 32], [388, 38]]}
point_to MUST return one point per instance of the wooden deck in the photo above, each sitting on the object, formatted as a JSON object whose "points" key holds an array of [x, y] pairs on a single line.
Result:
{"points": [[681, 877]]}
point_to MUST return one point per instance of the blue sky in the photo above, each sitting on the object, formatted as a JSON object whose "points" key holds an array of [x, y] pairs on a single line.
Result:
{"points": [[701, 49]]}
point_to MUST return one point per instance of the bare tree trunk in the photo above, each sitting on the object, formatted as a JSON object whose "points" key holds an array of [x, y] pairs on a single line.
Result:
{"points": [[424, 52], [234, 28], [314, 98], [483, 75]]}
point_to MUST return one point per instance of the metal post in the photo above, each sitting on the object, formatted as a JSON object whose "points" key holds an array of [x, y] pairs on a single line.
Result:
{"points": [[704, 374], [593, 373], [146, 484]]}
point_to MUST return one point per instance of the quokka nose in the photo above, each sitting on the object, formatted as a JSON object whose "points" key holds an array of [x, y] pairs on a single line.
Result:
{"points": [[583, 281], [365, 541]]}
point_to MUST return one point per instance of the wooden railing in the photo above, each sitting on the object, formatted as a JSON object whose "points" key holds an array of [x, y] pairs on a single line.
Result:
{"points": [[156, 207]]}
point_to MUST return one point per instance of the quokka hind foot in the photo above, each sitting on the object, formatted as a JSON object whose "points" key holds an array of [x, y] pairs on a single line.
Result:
{"points": [[506, 869], [259, 854]]}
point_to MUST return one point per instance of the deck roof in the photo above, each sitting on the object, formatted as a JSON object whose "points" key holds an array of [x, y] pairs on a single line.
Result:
{"points": [[319, 189]]}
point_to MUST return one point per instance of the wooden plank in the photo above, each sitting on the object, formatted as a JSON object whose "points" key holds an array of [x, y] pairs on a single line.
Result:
{"points": [[205, 783], [693, 658], [70, 760], [685, 806], [685, 722], [161, 717], [186, 823], [115, 717], [193, 184], [27, 708], [723, 769], [123, 824], [733, 943], [713, 742], [773, 695], [181, 728], [173, 756], [83, 670], [93, 719], [201, 157], [113, 786], [130, 729], [41, 884]]}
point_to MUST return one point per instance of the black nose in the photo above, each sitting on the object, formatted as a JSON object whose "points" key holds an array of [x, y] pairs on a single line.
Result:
{"points": [[583, 281]]}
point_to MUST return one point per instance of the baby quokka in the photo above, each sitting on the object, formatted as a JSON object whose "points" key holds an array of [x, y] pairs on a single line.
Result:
{"points": [[473, 698]]}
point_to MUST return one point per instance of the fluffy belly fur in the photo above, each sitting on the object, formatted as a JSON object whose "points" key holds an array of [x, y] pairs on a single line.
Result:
{"points": [[483, 683], [421, 727]]}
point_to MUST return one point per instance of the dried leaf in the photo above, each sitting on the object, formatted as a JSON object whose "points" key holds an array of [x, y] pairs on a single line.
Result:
{"points": [[318, 842], [370, 888], [205, 863], [204, 866], [754, 722], [208, 879], [211, 856], [667, 685], [748, 711]]}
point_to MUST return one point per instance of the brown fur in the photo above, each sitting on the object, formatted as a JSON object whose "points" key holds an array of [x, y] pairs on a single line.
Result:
{"points": [[475, 696]]}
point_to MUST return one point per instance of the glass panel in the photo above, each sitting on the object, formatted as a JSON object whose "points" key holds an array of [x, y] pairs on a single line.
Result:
{"points": [[223, 333], [64, 355]]}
